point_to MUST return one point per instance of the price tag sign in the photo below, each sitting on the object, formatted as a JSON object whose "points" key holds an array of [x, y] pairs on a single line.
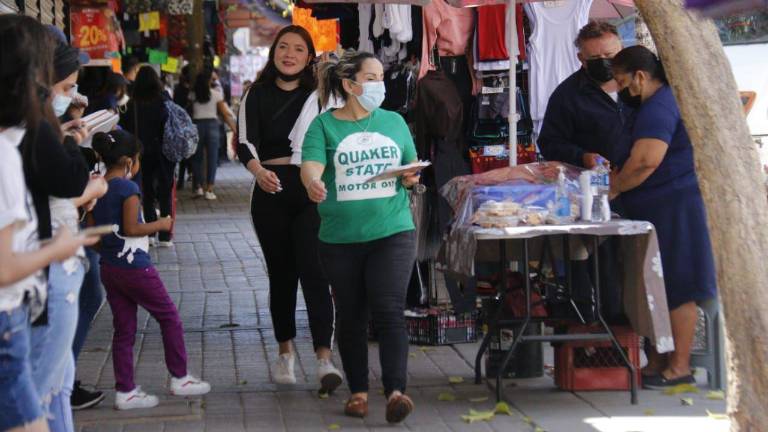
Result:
{"points": [[90, 31]]}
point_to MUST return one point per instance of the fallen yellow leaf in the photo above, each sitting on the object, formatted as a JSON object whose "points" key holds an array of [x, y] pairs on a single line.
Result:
{"points": [[412, 355], [474, 416], [686, 401], [716, 395], [503, 408], [334, 426], [446, 397], [681, 388], [538, 429], [527, 419], [478, 399], [323, 395], [649, 412], [717, 416], [455, 380]]}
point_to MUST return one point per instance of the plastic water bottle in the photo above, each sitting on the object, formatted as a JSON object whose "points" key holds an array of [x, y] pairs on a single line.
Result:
{"points": [[562, 203], [601, 209]]}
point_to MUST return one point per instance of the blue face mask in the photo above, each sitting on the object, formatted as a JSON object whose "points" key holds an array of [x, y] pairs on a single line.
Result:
{"points": [[373, 95], [60, 104]]}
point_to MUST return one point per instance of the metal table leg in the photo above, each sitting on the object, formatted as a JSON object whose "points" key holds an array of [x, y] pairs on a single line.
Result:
{"points": [[599, 312]]}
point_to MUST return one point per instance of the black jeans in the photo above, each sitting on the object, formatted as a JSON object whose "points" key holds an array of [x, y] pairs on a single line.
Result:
{"points": [[157, 185], [287, 224], [372, 276]]}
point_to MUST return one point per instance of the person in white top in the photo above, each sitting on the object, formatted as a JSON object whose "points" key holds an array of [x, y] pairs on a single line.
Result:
{"points": [[208, 104], [22, 282]]}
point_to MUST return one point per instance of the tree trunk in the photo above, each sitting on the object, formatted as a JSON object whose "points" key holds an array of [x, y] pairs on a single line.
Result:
{"points": [[732, 185]]}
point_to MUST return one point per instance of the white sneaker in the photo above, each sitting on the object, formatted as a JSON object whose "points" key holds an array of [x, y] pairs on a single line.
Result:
{"points": [[283, 373], [199, 192], [189, 386], [165, 244], [152, 242], [330, 377], [210, 196], [135, 399]]}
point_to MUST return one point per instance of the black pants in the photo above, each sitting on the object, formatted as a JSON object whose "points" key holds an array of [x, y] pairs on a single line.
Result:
{"points": [[372, 276], [287, 224], [157, 182]]}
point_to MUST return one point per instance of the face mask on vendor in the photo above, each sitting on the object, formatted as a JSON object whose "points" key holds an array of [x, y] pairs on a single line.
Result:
{"points": [[626, 96]]}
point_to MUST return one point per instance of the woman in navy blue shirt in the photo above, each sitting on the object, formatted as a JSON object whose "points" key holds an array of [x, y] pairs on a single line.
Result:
{"points": [[658, 183]]}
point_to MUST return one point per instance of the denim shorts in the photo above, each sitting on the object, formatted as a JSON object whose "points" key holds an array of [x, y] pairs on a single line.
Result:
{"points": [[19, 402]]}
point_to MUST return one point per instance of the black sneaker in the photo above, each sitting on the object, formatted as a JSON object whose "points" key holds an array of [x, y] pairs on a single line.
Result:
{"points": [[82, 399], [658, 382]]}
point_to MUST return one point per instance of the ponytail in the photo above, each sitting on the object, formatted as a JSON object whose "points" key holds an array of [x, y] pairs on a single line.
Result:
{"points": [[331, 74]]}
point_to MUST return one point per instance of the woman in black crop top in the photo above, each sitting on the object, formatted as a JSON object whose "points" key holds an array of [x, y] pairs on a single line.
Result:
{"points": [[285, 220]]}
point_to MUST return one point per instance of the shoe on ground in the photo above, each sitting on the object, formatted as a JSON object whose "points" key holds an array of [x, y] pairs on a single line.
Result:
{"points": [[398, 408], [199, 193], [189, 386], [152, 241], [659, 382], [135, 399], [330, 377], [83, 399], [210, 196], [283, 373], [356, 407], [165, 244]]}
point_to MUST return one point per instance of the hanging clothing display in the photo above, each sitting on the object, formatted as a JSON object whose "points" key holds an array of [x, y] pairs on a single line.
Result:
{"points": [[448, 28], [491, 33], [552, 54], [385, 29]]}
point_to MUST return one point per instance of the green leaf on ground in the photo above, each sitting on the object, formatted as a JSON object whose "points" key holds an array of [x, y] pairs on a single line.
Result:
{"points": [[455, 380], [528, 420], [503, 408], [538, 429], [446, 397], [323, 395], [716, 395], [426, 349], [412, 355], [686, 401], [474, 416], [478, 399], [717, 416], [334, 426], [680, 389], [244, 382], [649, 412]]}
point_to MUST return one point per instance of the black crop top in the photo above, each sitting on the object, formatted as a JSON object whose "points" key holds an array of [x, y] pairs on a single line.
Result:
{"points": [[266, 118]]}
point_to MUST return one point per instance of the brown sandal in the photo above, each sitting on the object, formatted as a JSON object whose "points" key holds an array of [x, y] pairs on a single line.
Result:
{"points": [[398, 408], [356, 407]]}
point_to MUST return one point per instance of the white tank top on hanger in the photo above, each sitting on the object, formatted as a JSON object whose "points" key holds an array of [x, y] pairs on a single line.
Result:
{"points": [[552, 53]]}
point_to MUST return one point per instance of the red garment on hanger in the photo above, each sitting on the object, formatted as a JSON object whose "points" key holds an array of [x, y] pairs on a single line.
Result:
{"points": [[491, 43]]}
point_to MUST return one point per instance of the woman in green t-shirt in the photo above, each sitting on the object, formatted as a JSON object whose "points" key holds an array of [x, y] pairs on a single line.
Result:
{"points": [[367, 240]]}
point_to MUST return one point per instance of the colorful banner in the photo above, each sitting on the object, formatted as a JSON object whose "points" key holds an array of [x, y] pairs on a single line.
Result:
{"points": [[324, 34], [157, 57], [149, 21], [171, 65], [92, 31]]}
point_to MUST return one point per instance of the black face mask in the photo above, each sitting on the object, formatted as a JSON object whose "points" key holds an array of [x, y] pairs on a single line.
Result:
{"points": [[289, 78], [628, 99], [600, 70]]}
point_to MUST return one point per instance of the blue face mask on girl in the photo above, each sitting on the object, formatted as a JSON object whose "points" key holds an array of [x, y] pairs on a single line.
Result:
{"points": [[373, 95]]}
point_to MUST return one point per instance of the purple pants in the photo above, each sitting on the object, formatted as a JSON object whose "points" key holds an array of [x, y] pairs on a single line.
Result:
{"points": [[126, 289]]}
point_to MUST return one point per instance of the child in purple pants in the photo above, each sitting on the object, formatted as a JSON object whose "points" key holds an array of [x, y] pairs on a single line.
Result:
{"points": [[129, 277]]}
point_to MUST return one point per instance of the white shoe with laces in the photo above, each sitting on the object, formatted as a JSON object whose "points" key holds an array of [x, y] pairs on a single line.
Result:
{"points": [[283, 372], [210, 196], [189, 386], [330, 378], [135, 399], [199, 192]]}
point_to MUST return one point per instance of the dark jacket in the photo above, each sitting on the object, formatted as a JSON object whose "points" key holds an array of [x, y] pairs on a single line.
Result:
{"points": [[582, 118], [147, 121], [58, 170]]}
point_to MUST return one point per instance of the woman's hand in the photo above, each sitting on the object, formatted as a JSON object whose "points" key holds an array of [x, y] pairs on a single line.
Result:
{"points": [[268, 181], [165, 224], [65, 244], [411, 178], [317, 191], [76, 129]]}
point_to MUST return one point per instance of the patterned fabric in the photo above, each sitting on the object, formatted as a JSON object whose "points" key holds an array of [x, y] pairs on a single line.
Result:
{"points": [[177, 35], [180, 7]]}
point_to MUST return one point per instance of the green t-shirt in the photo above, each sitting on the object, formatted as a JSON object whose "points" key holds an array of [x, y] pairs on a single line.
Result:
{"points": [[356, 211]]}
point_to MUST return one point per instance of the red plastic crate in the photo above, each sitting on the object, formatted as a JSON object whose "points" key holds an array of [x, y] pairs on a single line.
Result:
{"points": [[596, 365]]}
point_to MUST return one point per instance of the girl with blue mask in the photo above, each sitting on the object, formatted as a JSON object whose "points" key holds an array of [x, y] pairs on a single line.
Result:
{"points": [[368, 260]]}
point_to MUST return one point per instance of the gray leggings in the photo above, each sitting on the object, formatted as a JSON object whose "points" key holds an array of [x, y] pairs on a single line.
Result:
{"points": [[371, 276]]}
